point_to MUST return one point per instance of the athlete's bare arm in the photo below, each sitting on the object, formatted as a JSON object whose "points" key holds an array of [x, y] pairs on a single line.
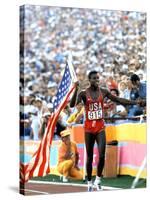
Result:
{"points": [[77, 98], [119, 100]]}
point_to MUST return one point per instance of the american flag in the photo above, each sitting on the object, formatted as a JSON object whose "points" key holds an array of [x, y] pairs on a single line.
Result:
{"points": [[39, 163], [63, 87]]}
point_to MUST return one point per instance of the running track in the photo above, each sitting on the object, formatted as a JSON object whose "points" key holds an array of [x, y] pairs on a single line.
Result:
{"points": [[45, 188]]}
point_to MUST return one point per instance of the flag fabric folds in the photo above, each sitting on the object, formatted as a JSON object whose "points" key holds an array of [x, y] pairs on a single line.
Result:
{"points": [[39, 163]]}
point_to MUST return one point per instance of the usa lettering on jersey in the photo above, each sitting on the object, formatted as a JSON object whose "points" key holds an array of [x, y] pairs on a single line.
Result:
{"points": [[95, 111]]}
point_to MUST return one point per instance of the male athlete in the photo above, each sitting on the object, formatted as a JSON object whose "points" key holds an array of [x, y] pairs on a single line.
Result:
{"points": [[93, 98]]}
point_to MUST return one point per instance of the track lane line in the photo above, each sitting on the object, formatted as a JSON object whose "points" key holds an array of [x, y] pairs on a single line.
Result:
{"points": [[70, 184], [35, 191]]}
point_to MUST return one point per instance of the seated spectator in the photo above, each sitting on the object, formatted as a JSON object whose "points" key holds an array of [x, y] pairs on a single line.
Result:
{"points": [[42, 107], [111, 83], [35, 122], [138, 92], [123, 90], [134, 93], [59, 127], [64, 115], [68, 157], [50, 107], [129, 88], [115, 110], [141, 86], [45, 118], [51, 91], [26, 132]]}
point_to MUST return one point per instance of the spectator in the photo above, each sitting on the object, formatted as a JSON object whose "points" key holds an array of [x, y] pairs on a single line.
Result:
{"points": [[77, 116], [111, 83], [52, 90], [35, 123], [43, 126], [117, 111], [26, 132], [138, 92], [64, 115], [113, 109], [123, 90], [129, 88], [68, 158], [42, 108], [141, 86]]}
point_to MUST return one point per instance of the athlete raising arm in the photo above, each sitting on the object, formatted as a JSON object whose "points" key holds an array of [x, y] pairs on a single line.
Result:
{"points": [[93, 99]]}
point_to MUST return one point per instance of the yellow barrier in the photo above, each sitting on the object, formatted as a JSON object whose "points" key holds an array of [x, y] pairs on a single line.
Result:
{"points": [[123, 132], [127, 132]]}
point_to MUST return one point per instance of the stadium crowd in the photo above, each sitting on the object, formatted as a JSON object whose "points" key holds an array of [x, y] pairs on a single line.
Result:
{"points": [[111, 42]]}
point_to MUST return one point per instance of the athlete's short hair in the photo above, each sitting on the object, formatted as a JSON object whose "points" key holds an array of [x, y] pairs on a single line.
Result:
{"points": [[91, 73]]}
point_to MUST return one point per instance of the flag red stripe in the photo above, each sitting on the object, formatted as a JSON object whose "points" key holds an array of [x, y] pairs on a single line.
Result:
{"points": [[41, 169], [43, 143], [48, 169], [45, 149], [35, 163], [23, 168]]}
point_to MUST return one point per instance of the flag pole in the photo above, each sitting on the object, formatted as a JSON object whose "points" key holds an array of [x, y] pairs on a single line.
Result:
{"points": [[72, 71]]}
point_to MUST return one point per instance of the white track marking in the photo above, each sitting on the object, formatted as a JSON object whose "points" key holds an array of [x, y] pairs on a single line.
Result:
{"points": [[70, 184], [35, 191]]}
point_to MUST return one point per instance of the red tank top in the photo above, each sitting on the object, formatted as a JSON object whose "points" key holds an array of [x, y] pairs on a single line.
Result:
{"points": [[94, 122]]}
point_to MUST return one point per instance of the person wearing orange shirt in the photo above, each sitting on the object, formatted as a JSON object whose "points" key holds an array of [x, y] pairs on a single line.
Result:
{"points": [[68, 157]]}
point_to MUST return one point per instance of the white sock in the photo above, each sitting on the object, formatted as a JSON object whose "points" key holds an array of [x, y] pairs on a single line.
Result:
{"points": [[65, 179], [98, 179], [89, 182]]}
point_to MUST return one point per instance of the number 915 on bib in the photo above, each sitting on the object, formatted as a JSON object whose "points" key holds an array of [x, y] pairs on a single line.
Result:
{"points": [[92, 115]]}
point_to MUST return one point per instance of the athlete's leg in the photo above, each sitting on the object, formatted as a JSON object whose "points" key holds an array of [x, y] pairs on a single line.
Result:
{"points": [[89, 142], [101, 142]]}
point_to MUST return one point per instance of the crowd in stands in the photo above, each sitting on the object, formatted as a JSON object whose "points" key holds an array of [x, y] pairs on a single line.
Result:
{"points": [[111, 42]]}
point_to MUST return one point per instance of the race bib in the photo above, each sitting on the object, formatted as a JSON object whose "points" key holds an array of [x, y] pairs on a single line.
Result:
{"points": [[92, 115]]}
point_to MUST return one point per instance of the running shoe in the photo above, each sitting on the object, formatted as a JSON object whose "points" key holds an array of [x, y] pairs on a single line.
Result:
{"points": [[98, 185], [90, 187]]}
